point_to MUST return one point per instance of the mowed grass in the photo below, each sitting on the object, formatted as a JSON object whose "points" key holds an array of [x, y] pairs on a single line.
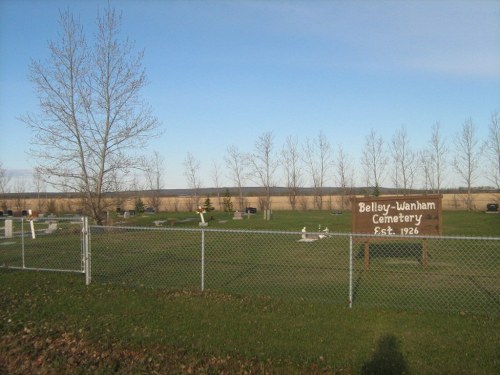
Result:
{"points": [[57, 324], [246, 321]]}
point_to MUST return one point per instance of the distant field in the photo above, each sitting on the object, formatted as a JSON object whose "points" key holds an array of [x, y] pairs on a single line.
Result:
{"points": [[169, 203]]}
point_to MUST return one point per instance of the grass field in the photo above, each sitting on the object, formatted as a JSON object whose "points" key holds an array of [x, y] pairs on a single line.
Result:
{"points": [[246, 321], [52, 323]]}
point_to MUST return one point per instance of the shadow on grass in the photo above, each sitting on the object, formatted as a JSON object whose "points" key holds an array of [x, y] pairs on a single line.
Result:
{"points": [[387, 359]]}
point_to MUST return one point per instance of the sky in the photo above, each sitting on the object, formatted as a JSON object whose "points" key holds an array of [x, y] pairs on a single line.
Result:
{"points": [[222, 73]]}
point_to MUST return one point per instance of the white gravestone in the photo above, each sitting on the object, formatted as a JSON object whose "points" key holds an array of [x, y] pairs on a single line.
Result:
{"points": [[201, 211], [8, 229]]}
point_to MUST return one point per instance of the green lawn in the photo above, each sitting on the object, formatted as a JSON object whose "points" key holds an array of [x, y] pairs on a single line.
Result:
{"points": [[53, 322]]}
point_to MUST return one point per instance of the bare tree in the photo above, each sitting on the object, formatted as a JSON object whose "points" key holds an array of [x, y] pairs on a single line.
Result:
{"points": [[91, 113], [404, 159], [40, 186], [467, 157], [154, 170], [4, 182], [291, 162], [345, 175], [192, 172], [263, 166], [216, 176], [374, 161], [433, 160], [318, 159], [20, 194], [235, 163], [492, 150], [425, 164]]}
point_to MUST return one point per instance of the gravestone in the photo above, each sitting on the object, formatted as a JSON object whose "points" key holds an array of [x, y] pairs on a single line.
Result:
{"points": [[8, 229], [492, 207], [52, 228], [238, 215]]}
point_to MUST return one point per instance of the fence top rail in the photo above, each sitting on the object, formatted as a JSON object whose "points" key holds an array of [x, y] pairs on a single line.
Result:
{"points": [[361, 236], [43, 218]]}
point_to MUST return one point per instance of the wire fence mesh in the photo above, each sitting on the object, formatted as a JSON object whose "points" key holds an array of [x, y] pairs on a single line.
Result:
{"points": [[433, 273], [426, 273], [441, 273], [42, 243]]}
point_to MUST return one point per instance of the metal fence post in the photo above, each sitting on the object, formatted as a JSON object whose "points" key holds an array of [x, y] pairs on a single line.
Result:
{"points": [[202, 260], [350, 271], [22, 241], [86, 247]]}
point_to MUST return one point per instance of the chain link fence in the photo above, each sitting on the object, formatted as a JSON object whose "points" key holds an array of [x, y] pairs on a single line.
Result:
{"points": [[426, 273], [43, 243]]}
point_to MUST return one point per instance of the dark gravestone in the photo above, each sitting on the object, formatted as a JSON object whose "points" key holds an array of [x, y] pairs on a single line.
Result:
{"points": [[492, 207]]}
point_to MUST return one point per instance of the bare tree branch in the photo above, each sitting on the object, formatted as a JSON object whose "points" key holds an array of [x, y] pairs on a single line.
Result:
{"points": [[467, 157], [318, 159], [91, 114], [404, 159], [263, 166], [291, 162], [235, 163], [492, 150], [374, 161], [192, 172]]}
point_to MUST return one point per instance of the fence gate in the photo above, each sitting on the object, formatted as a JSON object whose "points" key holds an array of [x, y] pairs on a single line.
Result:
{"points": [[43, 243]]}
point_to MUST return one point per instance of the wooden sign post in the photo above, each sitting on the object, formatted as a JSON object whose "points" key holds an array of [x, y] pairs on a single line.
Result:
{"points": [[410, 215]]}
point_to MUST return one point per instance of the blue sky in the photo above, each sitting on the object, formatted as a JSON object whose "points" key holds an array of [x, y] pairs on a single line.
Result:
{"points": [[222, 73]]}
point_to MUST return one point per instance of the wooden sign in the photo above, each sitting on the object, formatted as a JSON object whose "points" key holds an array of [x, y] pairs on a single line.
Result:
{"points": [[397, 215]]}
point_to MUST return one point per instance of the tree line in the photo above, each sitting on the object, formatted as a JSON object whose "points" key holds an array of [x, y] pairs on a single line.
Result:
{"points": [[316, 164]]}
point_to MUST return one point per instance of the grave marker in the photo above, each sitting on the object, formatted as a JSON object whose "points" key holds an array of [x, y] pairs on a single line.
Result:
{"points": [[8, 229]]}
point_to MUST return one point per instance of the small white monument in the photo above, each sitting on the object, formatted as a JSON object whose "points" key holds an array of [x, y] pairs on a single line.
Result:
{"points": [[238, 215], [305, 237], [200, 212], [8, 229], [32, 224]]}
